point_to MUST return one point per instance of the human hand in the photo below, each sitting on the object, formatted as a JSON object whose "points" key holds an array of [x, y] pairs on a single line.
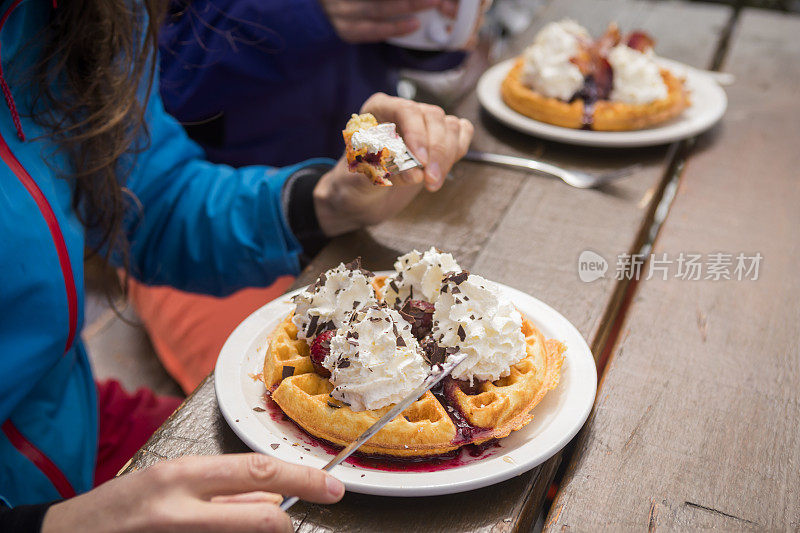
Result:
{"points": [[372, 21], [229, 493], [345, 201]]}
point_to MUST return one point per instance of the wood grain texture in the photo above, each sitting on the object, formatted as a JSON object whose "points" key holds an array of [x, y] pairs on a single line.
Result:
{"points": [[521, 230], [696, 422]]}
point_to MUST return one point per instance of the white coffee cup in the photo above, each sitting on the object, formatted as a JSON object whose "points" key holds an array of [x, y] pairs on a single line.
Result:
{"points": [[438, 32]]}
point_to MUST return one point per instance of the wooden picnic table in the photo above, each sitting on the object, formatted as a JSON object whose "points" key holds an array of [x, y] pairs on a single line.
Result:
{"points": [[696, 419]]}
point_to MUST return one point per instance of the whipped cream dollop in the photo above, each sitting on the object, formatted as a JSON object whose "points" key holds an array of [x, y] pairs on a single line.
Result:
{"points": [[473, 316], [418, 276], [547, 68], [637, 77], [331, 300], [374, 360], [376, 138]]}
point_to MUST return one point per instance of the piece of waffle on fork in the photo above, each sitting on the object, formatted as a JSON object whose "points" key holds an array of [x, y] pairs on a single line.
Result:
{"points": [[376, 150]]}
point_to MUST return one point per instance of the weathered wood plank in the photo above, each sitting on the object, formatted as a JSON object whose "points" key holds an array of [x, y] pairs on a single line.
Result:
{"points": [[524, 231], [696, 423]]}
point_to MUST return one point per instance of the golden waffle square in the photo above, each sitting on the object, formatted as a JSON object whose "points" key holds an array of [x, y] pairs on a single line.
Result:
{"points": [[491, 409], [605, 115]]}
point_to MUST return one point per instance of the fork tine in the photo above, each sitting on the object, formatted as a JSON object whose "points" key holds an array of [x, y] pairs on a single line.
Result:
{"points": [[620, 173], [408, 163]]}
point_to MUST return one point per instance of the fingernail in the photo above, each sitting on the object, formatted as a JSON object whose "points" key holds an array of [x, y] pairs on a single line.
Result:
{"points": [[435, 172], [422, 155], [335, 487]]}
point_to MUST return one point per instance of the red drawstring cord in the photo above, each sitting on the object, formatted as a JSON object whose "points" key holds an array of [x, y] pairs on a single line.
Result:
{"points": [[4, 86]]}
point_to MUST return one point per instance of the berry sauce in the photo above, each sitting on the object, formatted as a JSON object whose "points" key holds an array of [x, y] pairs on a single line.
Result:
{"points": [[596, 86], [468, 453], [370, 157]]}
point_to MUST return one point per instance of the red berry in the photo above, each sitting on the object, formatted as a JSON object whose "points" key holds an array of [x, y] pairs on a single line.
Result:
{"points": [[419, 314], [320, 348]]}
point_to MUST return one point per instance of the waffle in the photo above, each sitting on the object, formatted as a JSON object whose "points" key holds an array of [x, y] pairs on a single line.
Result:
{"points": [[491, 410], [374, 166], [606, 115]]}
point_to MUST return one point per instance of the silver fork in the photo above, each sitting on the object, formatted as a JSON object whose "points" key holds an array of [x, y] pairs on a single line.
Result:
{"points": [[406, 162], [576, 178]]}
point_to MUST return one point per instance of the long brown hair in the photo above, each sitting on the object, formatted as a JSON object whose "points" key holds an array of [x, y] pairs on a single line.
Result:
{"points": [[98, 62]]}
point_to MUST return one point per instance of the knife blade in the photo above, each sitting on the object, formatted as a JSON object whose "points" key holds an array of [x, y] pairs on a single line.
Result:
{"points": [[438, 373]]}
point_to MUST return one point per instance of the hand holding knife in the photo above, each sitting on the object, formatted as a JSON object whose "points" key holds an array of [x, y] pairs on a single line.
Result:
{"points": [[438, 373]]}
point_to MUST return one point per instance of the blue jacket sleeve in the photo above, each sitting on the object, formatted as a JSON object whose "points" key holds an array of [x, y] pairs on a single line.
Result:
{"points": [[204, 227]]}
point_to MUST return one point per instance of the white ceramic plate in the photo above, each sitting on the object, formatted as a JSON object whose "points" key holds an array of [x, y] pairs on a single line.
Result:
{"points": [[708, 104], [557, 418]]}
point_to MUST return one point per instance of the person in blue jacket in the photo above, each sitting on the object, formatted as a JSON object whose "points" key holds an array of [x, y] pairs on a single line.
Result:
{"points": [[238, 73], [90, 160]]}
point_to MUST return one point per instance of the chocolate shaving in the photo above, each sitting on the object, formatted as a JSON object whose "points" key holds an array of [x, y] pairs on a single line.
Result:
{"points": [[356, 303], [287, 371], [456, 290], [458, 278], [334, 405], [355, 266], [274, 446], [444, 288], [344, 363], [432, 352], [401, 342], [258, 409], [393, 285], [461, 333], [311, 331]]}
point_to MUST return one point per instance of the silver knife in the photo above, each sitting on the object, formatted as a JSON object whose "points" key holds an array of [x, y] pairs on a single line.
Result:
{"points": [[438, 373]]}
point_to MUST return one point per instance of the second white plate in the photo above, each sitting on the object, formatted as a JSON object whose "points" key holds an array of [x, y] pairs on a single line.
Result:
{"points": [[261, 425], [708, 104]]}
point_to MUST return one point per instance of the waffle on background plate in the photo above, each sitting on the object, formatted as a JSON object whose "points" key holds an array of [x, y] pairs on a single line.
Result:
{"points": [[594, 106], [604, 115], [435, 424]]}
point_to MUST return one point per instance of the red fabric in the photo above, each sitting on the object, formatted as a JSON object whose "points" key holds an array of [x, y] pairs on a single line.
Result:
{"points": [[42, 462], [126, 422], [12, 106], [55, 231], [188, 330]]}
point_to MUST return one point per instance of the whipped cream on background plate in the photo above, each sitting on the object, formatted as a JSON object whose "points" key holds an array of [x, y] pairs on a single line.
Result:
{"points": [[637, 77], [419, 276], [374, 360], [329, 302], [474, 317], [547, 68], [377, 138]]}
